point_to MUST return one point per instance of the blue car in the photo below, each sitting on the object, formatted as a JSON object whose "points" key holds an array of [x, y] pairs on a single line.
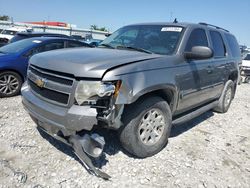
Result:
{"points": [[14, 59]]}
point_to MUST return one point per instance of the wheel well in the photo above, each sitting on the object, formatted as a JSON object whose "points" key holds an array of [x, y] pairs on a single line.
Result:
{"points": [[166, 94], [233, 76], [11, 70]]}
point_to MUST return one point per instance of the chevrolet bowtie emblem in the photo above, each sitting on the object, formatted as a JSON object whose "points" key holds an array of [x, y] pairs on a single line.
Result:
{"points": [[40, 82]]}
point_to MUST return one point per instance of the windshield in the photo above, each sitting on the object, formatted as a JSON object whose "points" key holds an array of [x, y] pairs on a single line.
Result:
{"points": [[247, 57], [19, 46], [159, 39], [8, 32], [17, 38]]}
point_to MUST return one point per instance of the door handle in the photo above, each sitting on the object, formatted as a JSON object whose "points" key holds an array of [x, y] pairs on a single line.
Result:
{"points": [[209, 69]]}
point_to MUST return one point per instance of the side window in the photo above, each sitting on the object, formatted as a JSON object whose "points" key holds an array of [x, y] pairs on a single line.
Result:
{"points": [[72, 44], [218, 44], [197, 38], [233, 45], [34, 51], [53, 46]]}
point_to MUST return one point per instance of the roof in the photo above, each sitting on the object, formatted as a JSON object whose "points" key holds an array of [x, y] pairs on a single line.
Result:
{"points": [[41, 34], [47, 38], [182, 24]]}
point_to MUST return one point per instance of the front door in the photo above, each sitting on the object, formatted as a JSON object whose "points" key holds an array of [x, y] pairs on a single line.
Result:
{"points": [[195, 81]]}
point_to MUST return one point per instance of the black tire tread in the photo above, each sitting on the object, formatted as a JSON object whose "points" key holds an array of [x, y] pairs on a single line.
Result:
{"points": [[130, 118]]}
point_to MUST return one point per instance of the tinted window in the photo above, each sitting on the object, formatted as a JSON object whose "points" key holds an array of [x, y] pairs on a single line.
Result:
{"points": [[233, 45], [72, 44], [19, 45], [34, 51], [160, 39], [218, 44], [46, 47], [197, 38], [17, 38], [9, 32], [53, 46]]}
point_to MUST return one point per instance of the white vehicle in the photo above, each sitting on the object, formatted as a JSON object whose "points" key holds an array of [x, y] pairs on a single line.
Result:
{"points": [[10, 32], [245, 70]]}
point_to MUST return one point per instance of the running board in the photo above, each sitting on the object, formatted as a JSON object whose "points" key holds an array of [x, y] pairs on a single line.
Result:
{"points": [[195, 113]]}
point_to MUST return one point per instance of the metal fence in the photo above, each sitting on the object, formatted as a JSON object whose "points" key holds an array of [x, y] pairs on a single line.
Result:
{"points": [[84, 33]]}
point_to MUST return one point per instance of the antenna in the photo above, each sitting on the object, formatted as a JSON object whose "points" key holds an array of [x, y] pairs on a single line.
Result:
{"points": [[175, 20], [171, 16]]}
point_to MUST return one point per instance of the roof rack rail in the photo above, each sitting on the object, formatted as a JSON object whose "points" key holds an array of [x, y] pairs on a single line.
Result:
{"points": [[201, 23]]}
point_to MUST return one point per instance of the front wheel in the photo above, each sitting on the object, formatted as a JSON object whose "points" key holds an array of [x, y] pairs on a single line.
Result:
{"points": [[147, 126], [10, 84], [247, 79]]}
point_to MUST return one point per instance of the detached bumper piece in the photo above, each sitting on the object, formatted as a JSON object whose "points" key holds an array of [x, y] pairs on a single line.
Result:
{"points": [[89, 145]]}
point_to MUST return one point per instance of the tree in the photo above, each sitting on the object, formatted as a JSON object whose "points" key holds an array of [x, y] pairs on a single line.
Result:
{"points": [[103, 29], [95, 27], [4, 18]]}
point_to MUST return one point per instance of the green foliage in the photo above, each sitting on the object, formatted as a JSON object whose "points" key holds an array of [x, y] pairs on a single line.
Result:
{"points": [[4, 18], [95, 27]]}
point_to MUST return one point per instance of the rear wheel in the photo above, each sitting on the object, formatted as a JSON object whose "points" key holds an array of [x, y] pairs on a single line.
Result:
{"points": [[226, 98], [10, 84], [147, 125]]}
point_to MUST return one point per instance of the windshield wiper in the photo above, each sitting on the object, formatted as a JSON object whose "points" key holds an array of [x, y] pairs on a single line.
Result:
{"points": [[107, 45], [2, 52], [135, 48]]}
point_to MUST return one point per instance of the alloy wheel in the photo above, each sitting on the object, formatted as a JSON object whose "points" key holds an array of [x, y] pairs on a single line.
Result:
{"points": [[9, 84], [151, 127]]}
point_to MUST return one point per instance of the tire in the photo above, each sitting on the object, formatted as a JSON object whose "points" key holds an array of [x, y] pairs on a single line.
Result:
{"points": [[226, 97], [135, 135], [240, 81], [10, 84], [247, 79]]}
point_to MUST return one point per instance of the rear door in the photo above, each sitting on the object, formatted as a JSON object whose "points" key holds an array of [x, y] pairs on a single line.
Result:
{"points": [[219, 63]]}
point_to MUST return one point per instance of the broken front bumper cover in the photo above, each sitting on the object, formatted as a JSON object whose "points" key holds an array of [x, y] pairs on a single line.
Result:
{"points": [[245, 71], [63, 124]]}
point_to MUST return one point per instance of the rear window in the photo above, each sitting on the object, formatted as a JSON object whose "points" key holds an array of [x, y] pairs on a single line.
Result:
{"points": [[218, 44], [72, 44], [17, 38], [233, 45]]}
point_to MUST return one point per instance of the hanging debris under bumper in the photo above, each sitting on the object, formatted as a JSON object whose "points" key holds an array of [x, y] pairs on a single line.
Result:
{"points": [[84, 147]]}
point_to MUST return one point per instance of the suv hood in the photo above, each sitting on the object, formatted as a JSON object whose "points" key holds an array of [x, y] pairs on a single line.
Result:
{"points": [[88, 62]]}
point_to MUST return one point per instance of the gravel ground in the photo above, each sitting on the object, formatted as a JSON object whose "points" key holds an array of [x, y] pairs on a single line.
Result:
{"points": [[213, 150]]}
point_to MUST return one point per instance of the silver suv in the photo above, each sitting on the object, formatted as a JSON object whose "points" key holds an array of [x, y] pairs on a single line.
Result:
{"points": [[140, 81]]}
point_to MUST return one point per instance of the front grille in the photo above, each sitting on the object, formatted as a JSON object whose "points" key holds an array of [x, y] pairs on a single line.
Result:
{"points": [[53, 78], [50, 86], [49, 94], [245, 71]]}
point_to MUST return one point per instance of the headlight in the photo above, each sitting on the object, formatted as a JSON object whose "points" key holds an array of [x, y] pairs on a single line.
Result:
{"points": [[87, 89]]}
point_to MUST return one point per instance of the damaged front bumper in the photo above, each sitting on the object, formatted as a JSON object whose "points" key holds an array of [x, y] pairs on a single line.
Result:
{"points": [[245, 71], [64, 124]]}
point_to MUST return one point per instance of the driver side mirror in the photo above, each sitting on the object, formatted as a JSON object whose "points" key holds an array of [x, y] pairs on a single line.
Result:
{"points": [[199, 52]]}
